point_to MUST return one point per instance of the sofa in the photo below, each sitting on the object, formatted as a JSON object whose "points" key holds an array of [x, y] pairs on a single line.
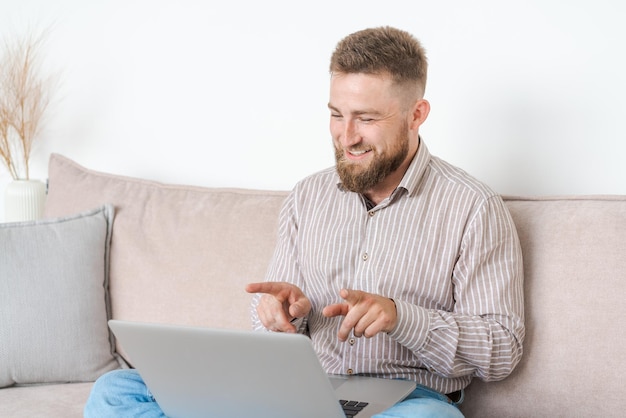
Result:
{"points": [[134, 249]]}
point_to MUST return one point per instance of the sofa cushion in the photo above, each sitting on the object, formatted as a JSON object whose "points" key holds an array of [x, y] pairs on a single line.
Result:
{"points": [[179, 254], [574, 251], [53, 311], [49, 401]]}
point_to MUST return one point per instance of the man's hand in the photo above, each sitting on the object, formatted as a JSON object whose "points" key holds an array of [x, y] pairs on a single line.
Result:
{"points": [[280, 304], [365, 313]]}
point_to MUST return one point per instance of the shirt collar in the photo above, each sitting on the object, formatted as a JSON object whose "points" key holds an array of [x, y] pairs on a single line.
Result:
{"points": [[415, 173]]}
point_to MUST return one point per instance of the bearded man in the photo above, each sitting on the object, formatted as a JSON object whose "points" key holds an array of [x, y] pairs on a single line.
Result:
{"points": [[394, 262]]}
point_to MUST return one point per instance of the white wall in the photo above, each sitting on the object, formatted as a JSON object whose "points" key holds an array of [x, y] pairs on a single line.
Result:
{"points": [[529, 96]]}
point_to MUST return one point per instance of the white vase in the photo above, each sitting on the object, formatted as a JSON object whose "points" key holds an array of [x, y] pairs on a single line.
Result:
{"points": [[24, 200]]}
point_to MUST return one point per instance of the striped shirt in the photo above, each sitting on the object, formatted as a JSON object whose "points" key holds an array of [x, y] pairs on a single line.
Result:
{"points": [[442, 246]]}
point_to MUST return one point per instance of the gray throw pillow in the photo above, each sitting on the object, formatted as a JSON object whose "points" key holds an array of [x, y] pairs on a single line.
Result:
{"points": [[53, 299]]}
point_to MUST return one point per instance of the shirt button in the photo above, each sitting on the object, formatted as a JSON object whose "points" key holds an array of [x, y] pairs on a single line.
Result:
{"points": [[350, 371], [371, 213], [351, 341], [365, 256]]}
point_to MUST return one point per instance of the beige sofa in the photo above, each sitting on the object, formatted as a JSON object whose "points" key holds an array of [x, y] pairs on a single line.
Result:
{"points": [[183, 255]]}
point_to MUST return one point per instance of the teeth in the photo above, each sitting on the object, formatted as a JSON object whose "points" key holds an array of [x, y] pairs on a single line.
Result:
{"points": [[358, 152]]}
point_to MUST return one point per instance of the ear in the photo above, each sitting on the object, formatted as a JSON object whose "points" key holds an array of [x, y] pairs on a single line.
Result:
{"points": [[420, 112]]}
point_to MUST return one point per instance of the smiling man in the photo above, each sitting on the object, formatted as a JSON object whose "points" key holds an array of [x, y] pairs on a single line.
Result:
{"points": [[395, 263]]}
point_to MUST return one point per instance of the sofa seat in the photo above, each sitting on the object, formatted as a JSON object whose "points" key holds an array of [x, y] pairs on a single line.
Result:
{"points": [[44, 401]]}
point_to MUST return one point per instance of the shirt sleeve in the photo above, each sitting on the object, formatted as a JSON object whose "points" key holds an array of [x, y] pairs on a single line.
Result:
{"points": [[284, 263], [483, 335]]}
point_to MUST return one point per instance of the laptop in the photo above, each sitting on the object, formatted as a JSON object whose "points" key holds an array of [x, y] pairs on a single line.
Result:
{"points": [[204, 372]]}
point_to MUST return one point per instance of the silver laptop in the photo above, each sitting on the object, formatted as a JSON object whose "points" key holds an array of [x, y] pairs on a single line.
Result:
{"points": [[201, 372]]}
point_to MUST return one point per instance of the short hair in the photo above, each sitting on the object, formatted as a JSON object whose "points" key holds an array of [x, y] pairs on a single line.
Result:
{"points": [[383, 50]]}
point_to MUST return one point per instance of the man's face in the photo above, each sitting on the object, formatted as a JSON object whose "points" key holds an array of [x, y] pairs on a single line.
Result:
{"points": [[370, 130]]}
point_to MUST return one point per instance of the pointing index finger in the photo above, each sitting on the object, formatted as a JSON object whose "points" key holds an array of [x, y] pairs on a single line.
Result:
{"points": [[271, 288]]}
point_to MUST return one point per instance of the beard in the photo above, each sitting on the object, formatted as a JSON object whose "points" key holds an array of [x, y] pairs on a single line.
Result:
{"points": [[358, 178]]}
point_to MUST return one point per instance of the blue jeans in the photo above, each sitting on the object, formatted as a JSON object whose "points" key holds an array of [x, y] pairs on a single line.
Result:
{"points": [[424, 402], [122, 393]]}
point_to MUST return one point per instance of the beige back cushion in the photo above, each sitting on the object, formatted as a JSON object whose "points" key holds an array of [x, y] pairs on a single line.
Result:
{"points": [[574, 360], [179, 254]]}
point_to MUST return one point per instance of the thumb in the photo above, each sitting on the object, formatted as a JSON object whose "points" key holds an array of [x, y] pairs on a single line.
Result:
{"points": [[300, 308]]}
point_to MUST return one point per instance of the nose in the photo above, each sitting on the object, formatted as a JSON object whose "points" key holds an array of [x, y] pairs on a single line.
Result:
{"points": [[349, 135]]}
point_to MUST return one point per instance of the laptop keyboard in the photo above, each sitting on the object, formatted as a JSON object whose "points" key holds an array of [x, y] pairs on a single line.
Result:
{"points": [[351, 408]]}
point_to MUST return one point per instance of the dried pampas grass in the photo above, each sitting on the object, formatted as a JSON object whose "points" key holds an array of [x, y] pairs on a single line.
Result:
{"points": [[24, 98]]}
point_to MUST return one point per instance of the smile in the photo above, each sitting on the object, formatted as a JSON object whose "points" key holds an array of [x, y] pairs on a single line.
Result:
{"points": [[358, 153]]}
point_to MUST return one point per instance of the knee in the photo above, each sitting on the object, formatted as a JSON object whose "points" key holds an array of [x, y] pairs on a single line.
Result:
{"points": [[116, 380], [110, 389]]}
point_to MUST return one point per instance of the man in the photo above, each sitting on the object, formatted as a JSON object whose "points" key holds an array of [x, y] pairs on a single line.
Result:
{"points": [[395, 263]]}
